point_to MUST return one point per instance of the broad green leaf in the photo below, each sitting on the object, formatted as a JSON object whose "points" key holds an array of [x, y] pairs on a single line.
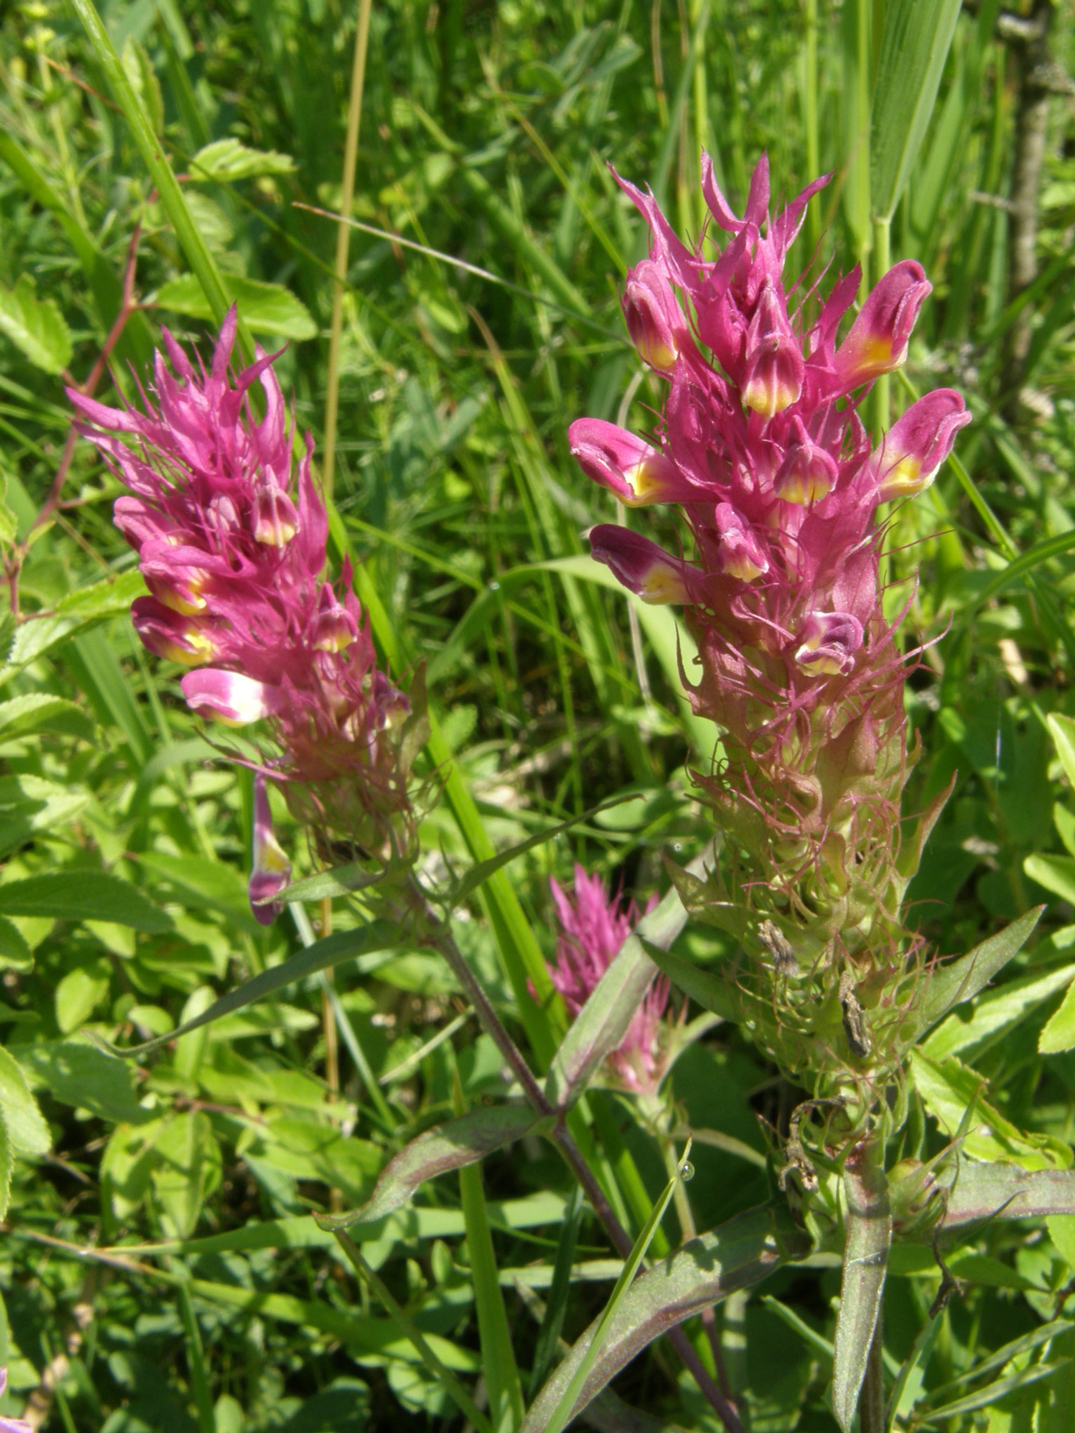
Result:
{"points": [[30, 805], [36, 326], [202, 884], [1059, 1031], [869, 1237], [15, 952], [998, 1011], [81, 1075], [226, 160], [41, 711], [37, 635], [602, 1023], [27, 1130], [704, 1271], [266, 308], [949, 984], [448, 1146], [82, 895], [949, 1088], [80, 992], [914, 45], [332, 950], [188, 1169], [1055, 873], [1062, 731]]}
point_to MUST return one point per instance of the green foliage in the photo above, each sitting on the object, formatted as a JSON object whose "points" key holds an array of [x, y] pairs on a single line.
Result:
{"points": [[169, 1192]]}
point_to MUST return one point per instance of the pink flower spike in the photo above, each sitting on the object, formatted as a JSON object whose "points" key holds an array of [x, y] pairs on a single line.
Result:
{"points": [[808, 472], [773, 362], [271, 870], [640, 565], [829, 643], [11, 1425], [740, 554], [915, 447], [229, 696], [654, 318], [636, 472], [877, 341]]}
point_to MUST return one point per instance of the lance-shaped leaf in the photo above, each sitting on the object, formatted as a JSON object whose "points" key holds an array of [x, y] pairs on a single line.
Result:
{"points": [[708, 987], [701, 1273], [950, 984], [1004, 1191], [869, 1238], [452, 1145], [602, 1023]]}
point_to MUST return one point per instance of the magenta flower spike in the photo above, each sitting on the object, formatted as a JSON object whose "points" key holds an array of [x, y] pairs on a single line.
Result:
{"points": [[760, 444], [593, 927], [231, 542]]}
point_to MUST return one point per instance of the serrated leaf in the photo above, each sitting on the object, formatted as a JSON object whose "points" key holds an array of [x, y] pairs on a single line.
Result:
{"points": [[996, 1012], [954, 981], [703, 1272], [602, 1023], [28, 1131], [37, 635], [226, 160], [35, 326], [266, 308], [915, 42], [15, 952], [41, 711], [82, 895], [869, 1238], [29, 805], [452, 1145], [1058, 1033]]}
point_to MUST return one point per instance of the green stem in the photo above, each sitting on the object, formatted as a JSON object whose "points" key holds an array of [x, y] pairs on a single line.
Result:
{"points": [[872, 1397], [810, 120]]}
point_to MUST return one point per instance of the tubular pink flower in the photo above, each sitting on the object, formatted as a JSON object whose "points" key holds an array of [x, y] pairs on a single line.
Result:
{"points": [[773, 364], [654, 318], [740, 554], [643, 567], [231, 540], [828, 643], [808, 472], [593, 927], [635, 471], [917, 444], [270, 869], [877, 341]]}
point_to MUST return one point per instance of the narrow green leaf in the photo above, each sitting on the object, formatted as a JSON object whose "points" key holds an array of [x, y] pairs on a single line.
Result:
{"points": [[998, 1011], [226, 160], [1055, 873], [332, 950], [552, 1322], [7, 1164], [1059, 1031], [266, 308], [702, 1272], [986, 1397], [448, 1146], [35, 326], [948, 985], [914, 46], [708, 987], [601, 1024], [987, 1191], [82, 895], [869, 1238], [1062, 731]]}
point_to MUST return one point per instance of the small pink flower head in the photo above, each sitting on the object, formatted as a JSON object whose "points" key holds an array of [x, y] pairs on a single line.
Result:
{"points": [[11, 1425], [740, 554], [593, 927], [773, 364], [270, 870], [654, 318], [828, 643], [917, 444], [877, 340], [808, 471], [644, 568], [635, 471]]}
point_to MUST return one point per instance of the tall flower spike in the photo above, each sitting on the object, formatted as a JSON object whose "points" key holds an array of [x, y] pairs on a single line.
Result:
{"points": [[593, 927], [231, 542]]}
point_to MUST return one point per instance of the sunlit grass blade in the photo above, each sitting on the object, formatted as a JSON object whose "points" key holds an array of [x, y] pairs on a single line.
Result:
{"points": [[552, 1321]]}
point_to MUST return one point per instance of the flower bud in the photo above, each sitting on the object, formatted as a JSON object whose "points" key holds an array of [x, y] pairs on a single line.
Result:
{"points": [[829, 641], [808, 472], [654, 318], [334, 627], [877, 341], [740, 554], [175, 575], [229, 696], [644, 568], [773, 362], [178, 637], [271, 870], [636, 472], [917, 444], [275, 520]]}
